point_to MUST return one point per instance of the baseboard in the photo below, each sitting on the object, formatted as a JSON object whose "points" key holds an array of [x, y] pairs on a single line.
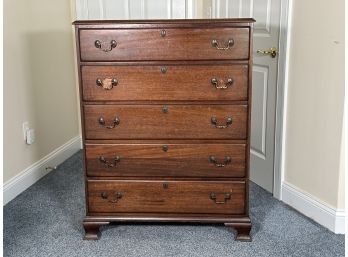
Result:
{"points": [[340, 222], [36, 171], [313, 208]]}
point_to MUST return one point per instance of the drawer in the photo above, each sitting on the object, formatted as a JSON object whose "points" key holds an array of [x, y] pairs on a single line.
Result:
{"points": [[164, 44], [166, 160], [165, 121], [166, 82], [135, 196]]}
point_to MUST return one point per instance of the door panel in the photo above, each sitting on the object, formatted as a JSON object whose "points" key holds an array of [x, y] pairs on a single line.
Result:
{"points": [[266, 35], [259, 111], [131, 9]]}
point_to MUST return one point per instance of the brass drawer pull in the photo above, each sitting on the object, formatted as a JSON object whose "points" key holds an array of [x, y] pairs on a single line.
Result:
{"points": [[107, 83], [116, 196], [115, 122], [214, 121], [225, 85], [227, 161], [227, 196], [229, 44], [110, 164], [105, 46]]}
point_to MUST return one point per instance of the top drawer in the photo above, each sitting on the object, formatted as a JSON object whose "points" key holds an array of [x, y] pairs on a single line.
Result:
{"points": [[164, 44]]}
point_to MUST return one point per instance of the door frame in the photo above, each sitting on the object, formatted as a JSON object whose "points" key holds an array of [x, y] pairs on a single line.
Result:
{"points": [[281, 97]]}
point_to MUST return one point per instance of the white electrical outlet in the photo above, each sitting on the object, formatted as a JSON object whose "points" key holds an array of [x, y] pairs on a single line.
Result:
{"points": [[30, 136], [25, 128], [28, 133]]}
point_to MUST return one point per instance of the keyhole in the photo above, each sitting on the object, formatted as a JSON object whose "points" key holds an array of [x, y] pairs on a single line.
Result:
{"points": [[165, 109], [163, 70], [163, 33]]}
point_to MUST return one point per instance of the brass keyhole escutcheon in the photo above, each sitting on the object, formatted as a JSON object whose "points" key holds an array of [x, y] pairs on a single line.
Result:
{"points": [[163, 70], [165, 185], [104, 195], [165, 109], [163, 33]]}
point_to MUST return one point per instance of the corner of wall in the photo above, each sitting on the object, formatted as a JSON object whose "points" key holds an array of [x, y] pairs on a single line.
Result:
{"points": [[317, 210], [36, 171], [331, 217]]}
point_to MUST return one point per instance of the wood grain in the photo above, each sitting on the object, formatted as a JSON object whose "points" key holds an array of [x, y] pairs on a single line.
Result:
{"points": [[178, 44], [179, 160], [181, 121], [178, 197], [184, 82]]}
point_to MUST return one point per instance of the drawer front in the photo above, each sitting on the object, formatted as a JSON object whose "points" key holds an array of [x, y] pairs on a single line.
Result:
{"points": [[170, 160], [188, 82], [109, 196], [164, 44], [165, 121]]}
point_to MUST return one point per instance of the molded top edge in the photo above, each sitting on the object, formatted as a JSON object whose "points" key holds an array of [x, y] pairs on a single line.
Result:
{"points": [[166, 21]]}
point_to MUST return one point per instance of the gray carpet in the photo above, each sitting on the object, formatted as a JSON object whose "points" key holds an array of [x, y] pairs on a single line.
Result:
{"points": [[46, 219]]}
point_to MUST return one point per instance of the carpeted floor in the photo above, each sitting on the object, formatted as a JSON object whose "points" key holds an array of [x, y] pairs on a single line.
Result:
{"points": [[46, 219]]}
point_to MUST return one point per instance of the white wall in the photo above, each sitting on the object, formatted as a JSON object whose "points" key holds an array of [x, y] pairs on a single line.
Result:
{"points": [[39, 80], [316, 100]]}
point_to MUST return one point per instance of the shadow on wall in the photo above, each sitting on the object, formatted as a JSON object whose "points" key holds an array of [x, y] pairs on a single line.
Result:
{"points": [[52, 87]]}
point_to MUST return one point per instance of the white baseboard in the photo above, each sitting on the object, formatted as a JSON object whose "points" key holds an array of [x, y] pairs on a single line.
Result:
{"points": [[313, 208], [36, 171]]}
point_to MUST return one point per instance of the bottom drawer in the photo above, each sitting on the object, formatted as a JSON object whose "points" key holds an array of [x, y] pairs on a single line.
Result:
{"points": [[131, 196]]}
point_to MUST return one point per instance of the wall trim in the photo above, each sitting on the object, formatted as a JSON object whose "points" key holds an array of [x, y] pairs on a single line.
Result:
{"points": [[319, 211], [29, 176]]}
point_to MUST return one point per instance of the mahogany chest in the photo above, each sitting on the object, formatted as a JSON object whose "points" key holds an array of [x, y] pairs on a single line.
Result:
{"points": [[165, 107]]}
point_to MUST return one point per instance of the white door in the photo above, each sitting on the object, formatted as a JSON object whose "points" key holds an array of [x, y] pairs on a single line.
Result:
{"points": [[266, 35], [133, 9]]}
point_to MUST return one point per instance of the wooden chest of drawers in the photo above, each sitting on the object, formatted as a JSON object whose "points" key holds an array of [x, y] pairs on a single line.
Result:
{"points": [[165, 110]]}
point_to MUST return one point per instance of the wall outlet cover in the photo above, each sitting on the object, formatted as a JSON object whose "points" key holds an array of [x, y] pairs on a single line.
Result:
{"points": [[30, 136], [25, 128]]}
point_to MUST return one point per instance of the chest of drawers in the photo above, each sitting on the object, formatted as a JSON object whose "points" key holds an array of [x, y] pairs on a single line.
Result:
{"points": [[165, 107]]}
